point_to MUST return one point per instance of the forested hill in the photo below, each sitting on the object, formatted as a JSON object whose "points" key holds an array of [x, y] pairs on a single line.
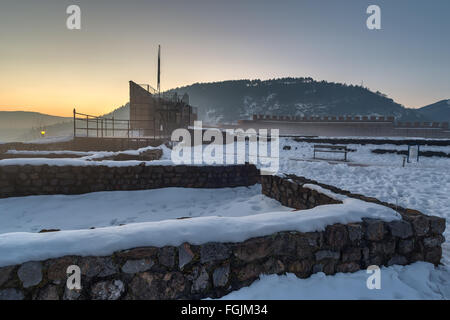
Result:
{"points": [[439, 111], [231, 100]]}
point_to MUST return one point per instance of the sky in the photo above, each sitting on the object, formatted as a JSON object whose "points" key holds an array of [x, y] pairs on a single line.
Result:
{"points": [[46, 67]]}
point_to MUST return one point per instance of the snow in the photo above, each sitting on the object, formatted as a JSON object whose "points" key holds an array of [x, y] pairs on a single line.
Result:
{"points": [[399, 138], [324, 191], [37, 152], [102, 154], [82, 162], [424, 186], [52, 140], [19, 247], [103, 209], [363, 154], [420, 280], [88, 158]]}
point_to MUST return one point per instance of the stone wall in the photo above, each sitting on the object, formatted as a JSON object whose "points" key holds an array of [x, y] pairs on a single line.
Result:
{"points": [[292, 194], [419, 236], [85, 144], [40, 155], [215, 269], [147, 155], [17, 180]]}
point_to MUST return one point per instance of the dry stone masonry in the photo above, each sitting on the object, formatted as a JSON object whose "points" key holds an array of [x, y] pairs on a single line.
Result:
{"points": [[85, 144], [416, 237], [17, 180], [214, 269], [147, 155]]}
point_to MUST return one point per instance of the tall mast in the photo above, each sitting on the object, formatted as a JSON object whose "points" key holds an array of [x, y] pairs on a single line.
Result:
{"points": [[159, 70]]}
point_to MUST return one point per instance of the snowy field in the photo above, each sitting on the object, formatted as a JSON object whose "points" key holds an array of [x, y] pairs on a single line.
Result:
{"points": [[103, 209], [417, 281], [424, 186], [19, 247]]}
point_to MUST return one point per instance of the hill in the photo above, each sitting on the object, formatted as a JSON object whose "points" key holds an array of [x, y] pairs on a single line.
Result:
{"points": [[228, 101], [231, 100], [439, 111], [14, 125], [26, 126], [25, 119]]}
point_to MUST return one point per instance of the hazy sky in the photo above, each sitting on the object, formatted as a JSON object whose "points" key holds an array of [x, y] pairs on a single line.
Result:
{"points": [[47, 68]]}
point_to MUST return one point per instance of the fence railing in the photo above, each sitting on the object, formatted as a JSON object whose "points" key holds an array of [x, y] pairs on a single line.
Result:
{"points": [[149, 88], [85, 125]]}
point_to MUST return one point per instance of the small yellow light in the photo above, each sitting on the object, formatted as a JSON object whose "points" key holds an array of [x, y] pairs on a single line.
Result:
{"points": [[43, 133]]}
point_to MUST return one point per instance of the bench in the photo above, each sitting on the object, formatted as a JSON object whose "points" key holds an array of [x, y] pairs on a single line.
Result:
{"points": [[331, 149]]}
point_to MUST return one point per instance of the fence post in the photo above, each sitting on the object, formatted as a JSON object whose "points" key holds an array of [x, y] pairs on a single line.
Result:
{"points": [[74, 124], [87, 126]]}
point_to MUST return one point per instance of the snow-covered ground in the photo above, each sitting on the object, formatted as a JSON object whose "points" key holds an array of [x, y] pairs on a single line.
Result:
{"points": [[417, 281], [424, 186], [363, 154], [37, 153], [103, 209], [18, 247]]}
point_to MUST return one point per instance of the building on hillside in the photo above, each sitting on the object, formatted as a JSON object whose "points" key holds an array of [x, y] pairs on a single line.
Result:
{"points": [[154, 115]]}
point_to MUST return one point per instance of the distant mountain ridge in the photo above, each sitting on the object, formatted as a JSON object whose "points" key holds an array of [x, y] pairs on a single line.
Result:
{"points": [[228, 101], [439, 111], [26, 125], [27, 119]]}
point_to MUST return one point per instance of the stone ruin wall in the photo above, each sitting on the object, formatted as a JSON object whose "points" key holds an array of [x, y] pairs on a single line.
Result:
{"points": [[85, 144], [17, 180], [214, 269]]}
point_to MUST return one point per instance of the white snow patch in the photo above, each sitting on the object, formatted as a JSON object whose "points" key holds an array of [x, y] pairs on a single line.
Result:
{"points": [[420, 280], [18, 247], [113, 208], [328, 193], [423, 186], [37, 152]]}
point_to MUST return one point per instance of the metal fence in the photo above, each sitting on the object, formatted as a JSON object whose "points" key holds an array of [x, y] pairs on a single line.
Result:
{"points": [[85, 125]]}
